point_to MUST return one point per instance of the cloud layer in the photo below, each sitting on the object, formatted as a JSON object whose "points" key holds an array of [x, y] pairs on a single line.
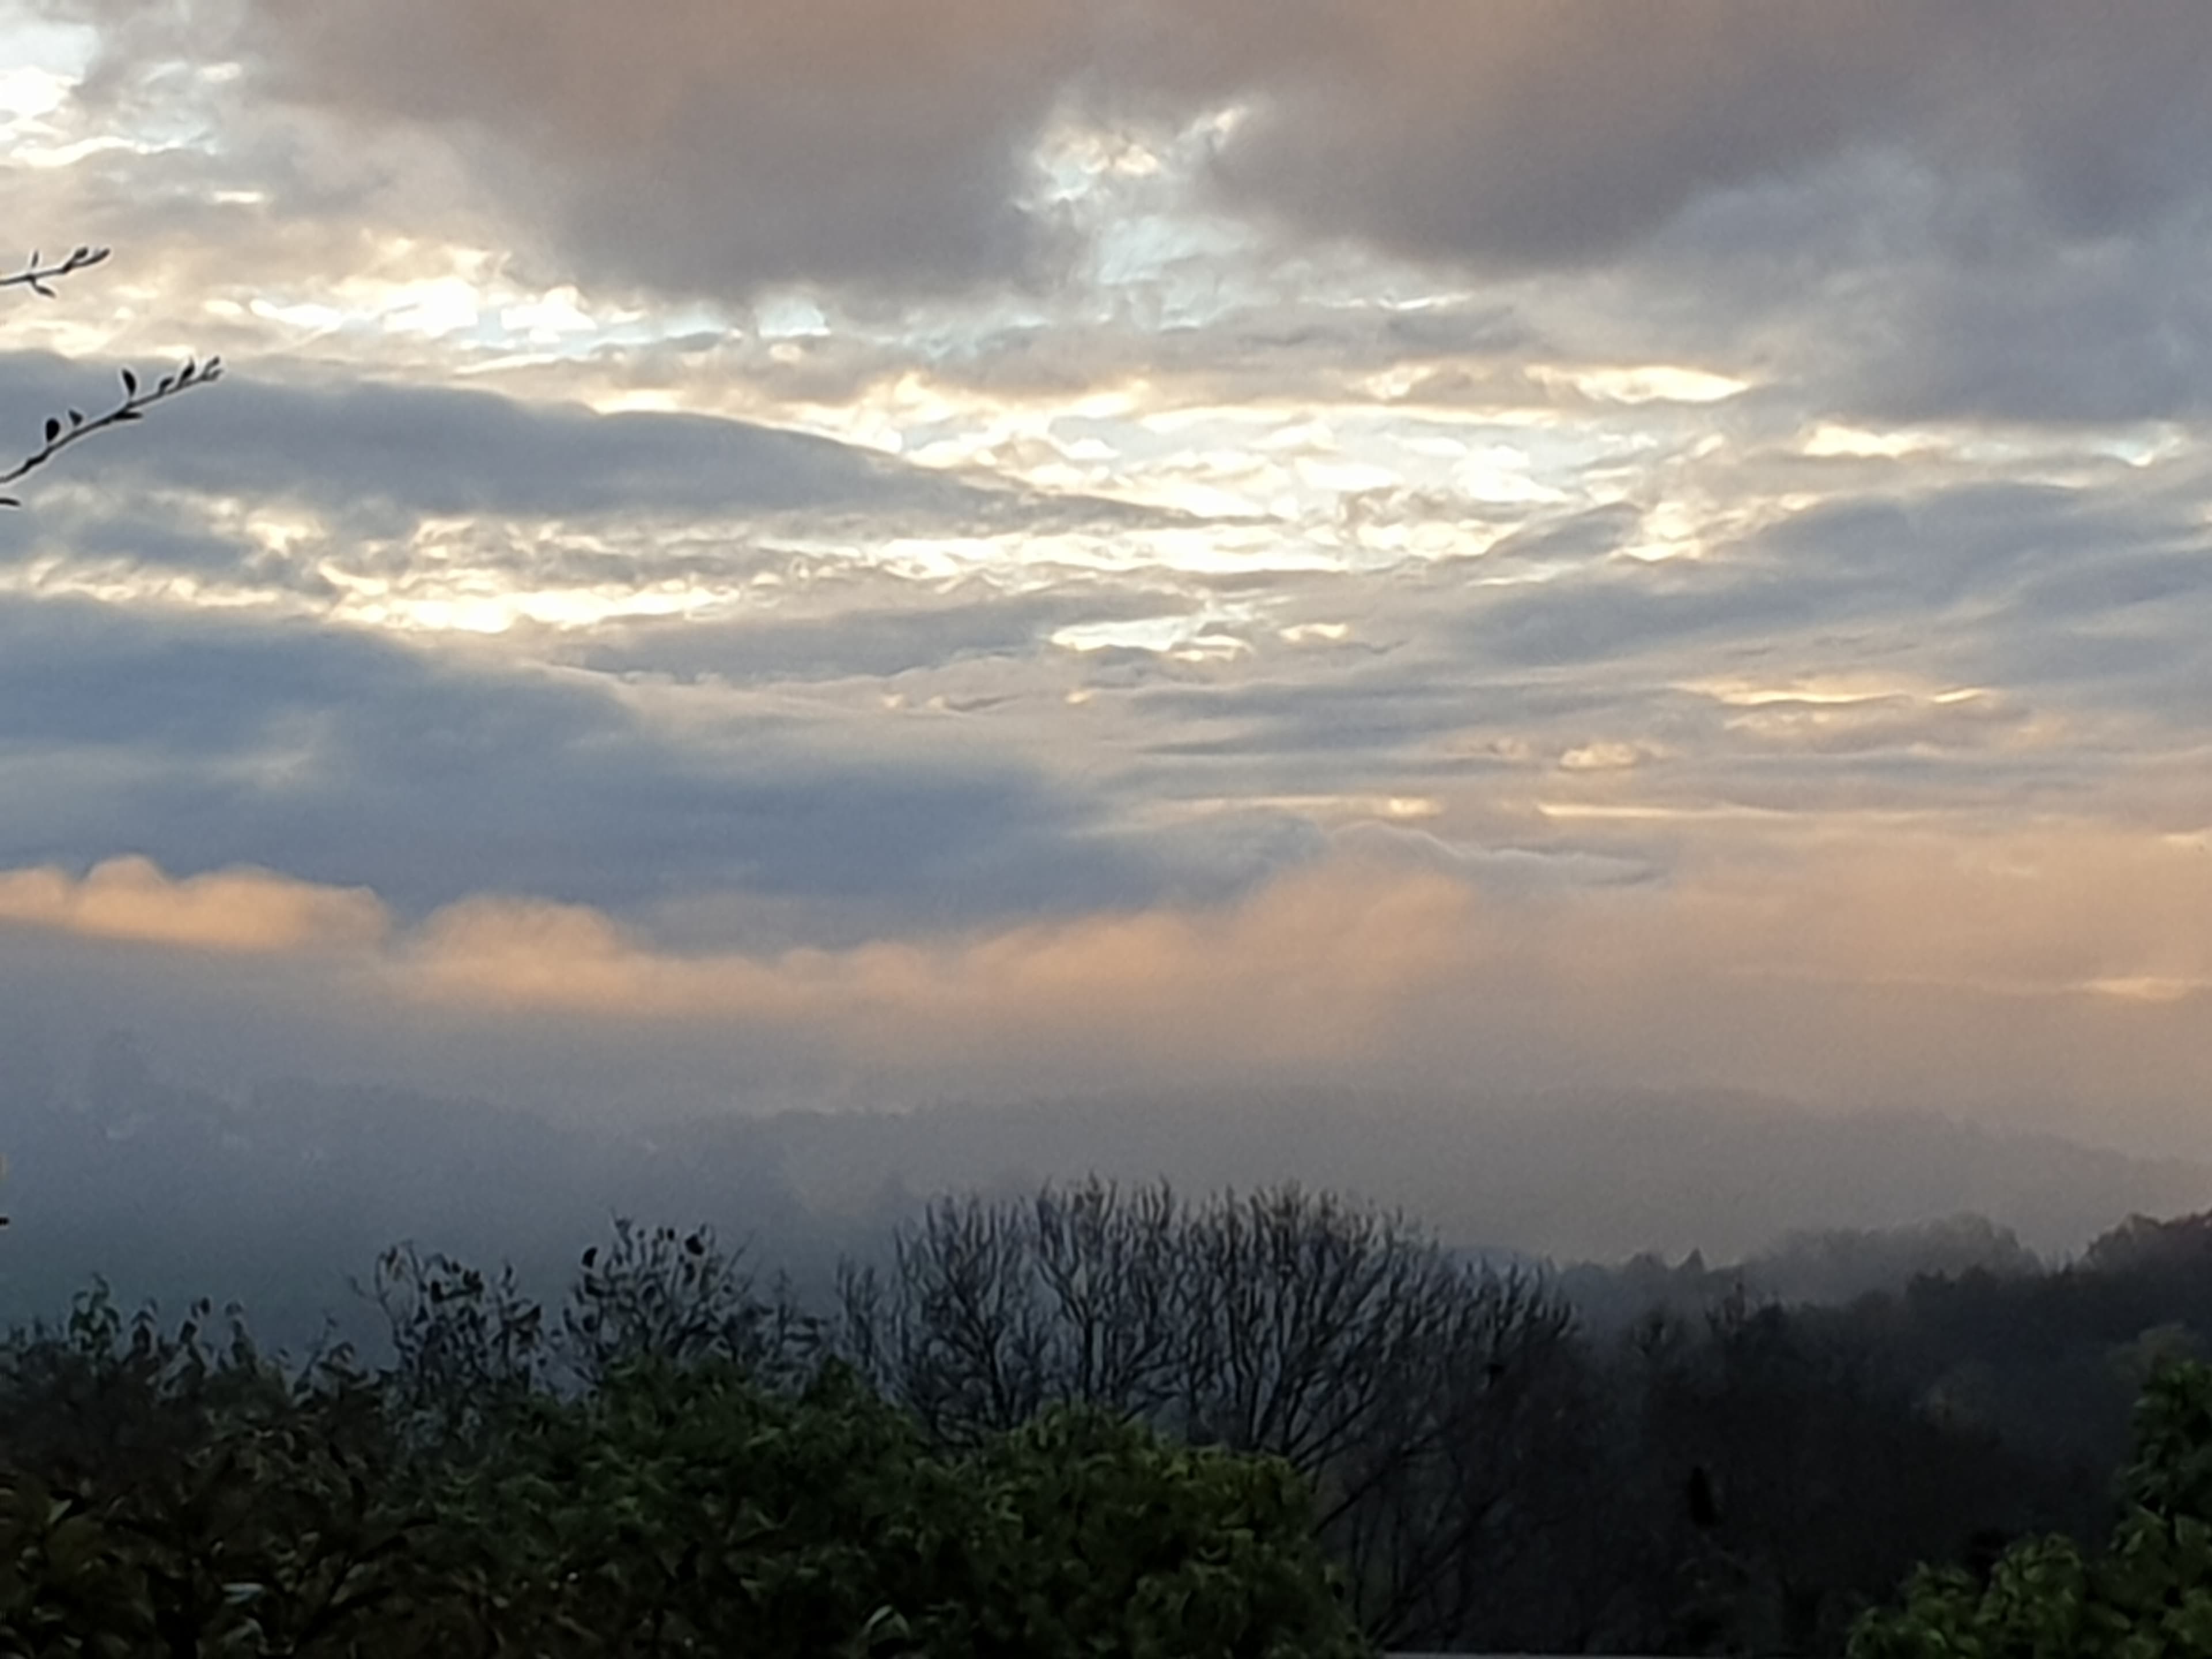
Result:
{"points": [[1902, 966], [702, 145]]}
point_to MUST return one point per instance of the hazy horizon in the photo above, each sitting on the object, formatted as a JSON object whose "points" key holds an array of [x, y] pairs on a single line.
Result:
{"points": [[1570, 1177]]}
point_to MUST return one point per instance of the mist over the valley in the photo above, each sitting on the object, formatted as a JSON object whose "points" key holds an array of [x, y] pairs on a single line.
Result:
{"points": [[282, 1197]]}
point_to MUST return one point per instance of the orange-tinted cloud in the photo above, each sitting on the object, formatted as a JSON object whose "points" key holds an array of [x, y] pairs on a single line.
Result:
{"points": [[239, 911], [1318, 963], [1834, 962]]}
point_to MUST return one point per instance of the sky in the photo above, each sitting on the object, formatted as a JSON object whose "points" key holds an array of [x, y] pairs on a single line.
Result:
{"points": [[853, 553]]}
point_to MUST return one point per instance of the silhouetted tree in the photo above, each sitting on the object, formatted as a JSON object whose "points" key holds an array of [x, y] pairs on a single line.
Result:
{"points": [[1421, 1393]]}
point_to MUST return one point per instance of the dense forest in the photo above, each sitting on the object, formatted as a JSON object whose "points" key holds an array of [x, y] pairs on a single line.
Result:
{"points": [[1093, 1419]]}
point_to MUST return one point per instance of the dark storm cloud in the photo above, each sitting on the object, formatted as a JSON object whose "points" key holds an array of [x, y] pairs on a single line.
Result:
{"points": [[710, 147], [343, 759]]}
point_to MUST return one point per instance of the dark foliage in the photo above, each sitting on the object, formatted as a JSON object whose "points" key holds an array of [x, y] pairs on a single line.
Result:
{"points": [[648, 1476], [1111, 1421], [2148, 1593]]}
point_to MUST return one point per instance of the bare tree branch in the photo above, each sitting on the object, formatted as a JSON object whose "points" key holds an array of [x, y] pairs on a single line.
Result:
{"points": [[35, 276], [74, 425]]}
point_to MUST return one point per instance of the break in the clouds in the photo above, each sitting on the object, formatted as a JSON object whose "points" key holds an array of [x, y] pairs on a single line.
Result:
{"points": [[856, 552]]}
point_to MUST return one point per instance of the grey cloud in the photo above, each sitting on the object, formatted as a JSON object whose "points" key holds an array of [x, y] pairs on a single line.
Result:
{"points": [[1375, 712], [2120, 581], [1883, 287], [446, 452], [1548, 130], [1851, 561], [1576, 538], [1875, 726], [1926, 210], [339, 758], [713, 146], [1623, 615], [1377, 720], [2107, 333], [720, 147], [100, 534], [2131, 633], [1461, 330]]}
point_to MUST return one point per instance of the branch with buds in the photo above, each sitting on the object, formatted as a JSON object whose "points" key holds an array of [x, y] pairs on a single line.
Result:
{"points": [[78, 426], [75, 426], [35, 276]]}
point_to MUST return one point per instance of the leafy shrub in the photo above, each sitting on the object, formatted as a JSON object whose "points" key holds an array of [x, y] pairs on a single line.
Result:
{"points": [[165, 1492], [695, 1512], [2149, 1595]]}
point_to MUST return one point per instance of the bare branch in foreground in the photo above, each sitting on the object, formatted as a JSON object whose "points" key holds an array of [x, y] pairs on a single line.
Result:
{"points": [[63, 431], [75, 426], [35, 276]]}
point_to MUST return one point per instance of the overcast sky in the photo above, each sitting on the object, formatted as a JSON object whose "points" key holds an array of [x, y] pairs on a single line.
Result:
{"points": [[851, 551]]}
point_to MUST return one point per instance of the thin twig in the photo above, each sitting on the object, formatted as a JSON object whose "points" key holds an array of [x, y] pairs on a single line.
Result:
{"points": [[61, 433], [35, 276]]}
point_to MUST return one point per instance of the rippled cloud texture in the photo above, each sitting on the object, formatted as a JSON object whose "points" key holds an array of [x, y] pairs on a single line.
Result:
{"points": [[850, 553]]}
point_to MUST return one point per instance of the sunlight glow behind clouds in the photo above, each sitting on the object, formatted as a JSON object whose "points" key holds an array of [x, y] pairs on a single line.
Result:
{"points": [[1205, 525]]}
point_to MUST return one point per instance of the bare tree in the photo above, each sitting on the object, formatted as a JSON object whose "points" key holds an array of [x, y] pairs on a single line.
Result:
{"points": [[1427, 1397], [72, 425]]}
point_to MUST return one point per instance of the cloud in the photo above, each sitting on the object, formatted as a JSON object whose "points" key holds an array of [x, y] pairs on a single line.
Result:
{"points": [[705, 147], [930, 630], [205, 742], [2108, 331], [432, 450], [1884, 962], [1543, 131], [702, 145], [1303, 967], [245, 911], [1904, 211]]}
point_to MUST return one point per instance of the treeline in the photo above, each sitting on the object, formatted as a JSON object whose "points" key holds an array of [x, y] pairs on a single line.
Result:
{"points": [[1726, 1471], [1093, 1419]]}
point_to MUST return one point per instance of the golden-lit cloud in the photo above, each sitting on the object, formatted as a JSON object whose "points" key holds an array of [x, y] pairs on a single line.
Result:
{"points": [[1828, 959], [1312, 966], [251, 912]]}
